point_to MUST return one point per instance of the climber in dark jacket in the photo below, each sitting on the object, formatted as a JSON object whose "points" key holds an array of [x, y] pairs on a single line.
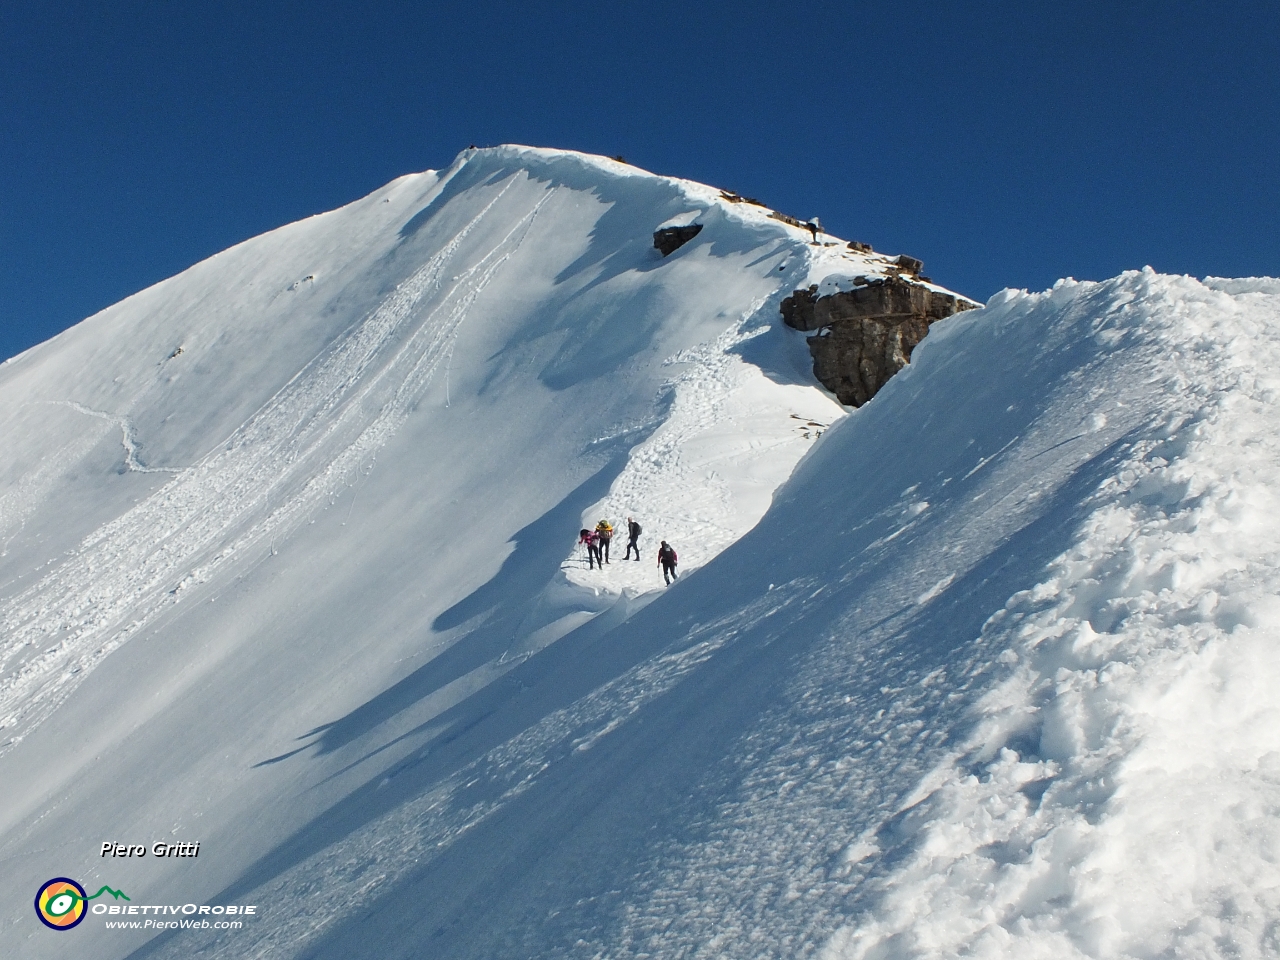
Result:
{"points": [[633, 532], [667, 561]]}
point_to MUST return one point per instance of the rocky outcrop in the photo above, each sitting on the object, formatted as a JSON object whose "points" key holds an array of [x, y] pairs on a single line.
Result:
{"points": [[670, 239], [866, 334], [909, 264]]}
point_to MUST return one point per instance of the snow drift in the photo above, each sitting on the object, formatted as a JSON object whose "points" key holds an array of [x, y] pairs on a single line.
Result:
{"points": [[989, 676]]}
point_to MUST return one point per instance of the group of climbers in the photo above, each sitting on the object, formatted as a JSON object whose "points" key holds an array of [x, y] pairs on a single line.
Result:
{"points": [[597, 543]]}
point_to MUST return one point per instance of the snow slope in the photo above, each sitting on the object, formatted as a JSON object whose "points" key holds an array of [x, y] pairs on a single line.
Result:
{"points": [[989, 676], [350, 457], [264, 382]]}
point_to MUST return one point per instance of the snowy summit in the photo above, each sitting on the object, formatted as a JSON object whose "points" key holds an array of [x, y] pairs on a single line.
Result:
{"points": [[289, 569]]}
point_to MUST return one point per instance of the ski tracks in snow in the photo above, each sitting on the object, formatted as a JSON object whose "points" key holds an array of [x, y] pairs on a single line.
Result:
{"points": [[259, 484]]}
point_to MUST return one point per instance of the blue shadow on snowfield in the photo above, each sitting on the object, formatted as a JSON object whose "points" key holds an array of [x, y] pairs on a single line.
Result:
{"points": [[498, 607], [831, 611], [590, 340], [749, 725]]}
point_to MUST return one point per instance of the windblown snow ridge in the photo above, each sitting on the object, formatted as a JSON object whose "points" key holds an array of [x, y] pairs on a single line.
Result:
{"points": [[1116, 795]]}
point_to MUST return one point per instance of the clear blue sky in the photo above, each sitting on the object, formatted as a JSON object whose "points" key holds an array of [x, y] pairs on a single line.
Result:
{"points": [[1005, 144]]}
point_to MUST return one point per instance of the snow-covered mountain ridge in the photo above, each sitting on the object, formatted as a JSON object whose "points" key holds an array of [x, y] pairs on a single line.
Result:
{"points": [[989, 674], [371, 437], [259, 384]]}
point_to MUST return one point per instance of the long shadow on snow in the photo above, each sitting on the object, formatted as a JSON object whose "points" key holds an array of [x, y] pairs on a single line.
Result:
{"points": [[503, 602], [622, 239], [576, 665], [559, 862], [593, 341], [589, 341], [561, 859]]}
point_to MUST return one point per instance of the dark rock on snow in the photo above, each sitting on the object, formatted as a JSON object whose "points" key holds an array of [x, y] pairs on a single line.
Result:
{"points": [[670, 239], [866, 334]]}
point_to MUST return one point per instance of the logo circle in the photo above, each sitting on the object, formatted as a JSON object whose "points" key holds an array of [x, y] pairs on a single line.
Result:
{"points": [[60, 904]]}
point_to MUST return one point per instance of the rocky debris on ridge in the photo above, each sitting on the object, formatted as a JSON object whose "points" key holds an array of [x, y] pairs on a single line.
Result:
{"points": [[734, 197], [671, 239], [909, 264], [866, 334]]}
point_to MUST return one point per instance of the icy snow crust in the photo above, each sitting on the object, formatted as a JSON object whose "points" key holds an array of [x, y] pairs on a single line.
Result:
{"points": [[992, 676]]}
